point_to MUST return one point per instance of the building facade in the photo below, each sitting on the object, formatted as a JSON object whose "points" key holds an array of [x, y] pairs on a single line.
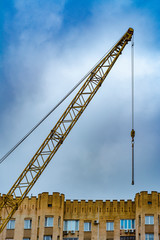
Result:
{"points": [[51, 217]]}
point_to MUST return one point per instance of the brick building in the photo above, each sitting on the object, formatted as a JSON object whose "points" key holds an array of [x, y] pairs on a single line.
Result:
{"points": [[51, 217]]}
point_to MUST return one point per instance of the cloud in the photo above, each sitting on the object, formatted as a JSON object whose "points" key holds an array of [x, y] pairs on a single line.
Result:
{"points": [[42, 63]]}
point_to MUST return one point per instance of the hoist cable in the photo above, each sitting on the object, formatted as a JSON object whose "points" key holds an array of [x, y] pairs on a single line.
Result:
{"points": [[53, 109], [132, 56], [132, 83]]}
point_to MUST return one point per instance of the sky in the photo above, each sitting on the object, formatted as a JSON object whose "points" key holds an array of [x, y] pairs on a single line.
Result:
{"points": [[46, 47]]}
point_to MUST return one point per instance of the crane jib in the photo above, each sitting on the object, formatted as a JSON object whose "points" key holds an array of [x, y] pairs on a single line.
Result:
{"points": [[10, 202]]}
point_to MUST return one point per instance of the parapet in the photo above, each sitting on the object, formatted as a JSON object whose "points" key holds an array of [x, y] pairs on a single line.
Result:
{"points": [[77, 209], [145, 199]]}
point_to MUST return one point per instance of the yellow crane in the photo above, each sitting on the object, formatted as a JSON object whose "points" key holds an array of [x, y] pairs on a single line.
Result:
{"points": [[13, 199]]}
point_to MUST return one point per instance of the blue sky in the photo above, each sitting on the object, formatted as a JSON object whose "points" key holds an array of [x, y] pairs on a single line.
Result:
{"points": [[46, 47]]}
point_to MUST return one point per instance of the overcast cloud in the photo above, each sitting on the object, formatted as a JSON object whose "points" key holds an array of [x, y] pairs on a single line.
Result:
{"points": [[47, 47]]}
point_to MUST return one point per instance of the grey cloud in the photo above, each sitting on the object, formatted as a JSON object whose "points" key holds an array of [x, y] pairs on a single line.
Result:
{"points": [[95, 160]]}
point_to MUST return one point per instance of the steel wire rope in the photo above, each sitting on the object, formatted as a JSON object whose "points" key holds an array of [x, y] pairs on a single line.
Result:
{"points": [[132, 84], [132, 56], [54, 108]]}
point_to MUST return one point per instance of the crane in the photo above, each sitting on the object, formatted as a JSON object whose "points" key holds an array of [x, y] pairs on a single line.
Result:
{"points": [[13, 199]]}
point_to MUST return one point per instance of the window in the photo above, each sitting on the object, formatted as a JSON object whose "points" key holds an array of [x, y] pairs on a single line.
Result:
{"points": [[26, 238], [110, 226], [27, 224], [48, 222], [127, 238], [48, 237], [149, 236], [11, 224], [149, 220], [127, 224], [70, 238], [71, 225], [87, 226]]}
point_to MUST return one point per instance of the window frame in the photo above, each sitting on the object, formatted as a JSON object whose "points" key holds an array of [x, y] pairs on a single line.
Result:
{"points": [[110, 226], [76, 238], [87, 228], [71, 225], [9, 224], [45, 237], [28, 226], [149, 236], [127, 224], [47, 222], [148, 220]]}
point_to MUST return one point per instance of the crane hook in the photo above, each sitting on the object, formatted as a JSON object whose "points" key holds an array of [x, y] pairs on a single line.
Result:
{"points": [[132, 135]]}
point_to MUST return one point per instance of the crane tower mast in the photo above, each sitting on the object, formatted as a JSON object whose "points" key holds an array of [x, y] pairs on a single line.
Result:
{"points": [[12, 200]]}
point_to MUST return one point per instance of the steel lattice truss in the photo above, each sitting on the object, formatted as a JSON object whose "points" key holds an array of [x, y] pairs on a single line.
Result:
{"points": [[56, 137]]}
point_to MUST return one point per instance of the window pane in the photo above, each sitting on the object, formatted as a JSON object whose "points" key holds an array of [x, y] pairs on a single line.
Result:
{"points": [[87, 226], [125, 224], [146, 219], [110, 226], [71, 225], [77, 226], [149, 236], [70, 238], [11, 224], [121, 224], [48, 221], [27, 223], [149, 219], [133, 224], [65, 226], [47, 237], [129, 224]]}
